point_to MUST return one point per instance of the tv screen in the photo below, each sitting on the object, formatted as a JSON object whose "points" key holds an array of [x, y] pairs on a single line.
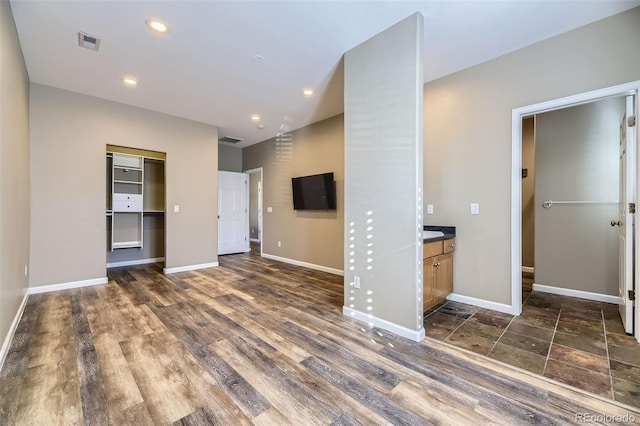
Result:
{"points": [[317, 192]]}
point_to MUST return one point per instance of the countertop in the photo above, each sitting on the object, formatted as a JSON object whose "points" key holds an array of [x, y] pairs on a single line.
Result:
{"points": [[449, 232]]}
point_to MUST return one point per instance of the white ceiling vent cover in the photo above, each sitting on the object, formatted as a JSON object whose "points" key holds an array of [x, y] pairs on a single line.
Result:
{"points": [[88, 41], [230, 139]]}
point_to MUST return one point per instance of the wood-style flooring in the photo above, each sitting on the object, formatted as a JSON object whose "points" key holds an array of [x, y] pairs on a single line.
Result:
{"points": [[254, 341]]}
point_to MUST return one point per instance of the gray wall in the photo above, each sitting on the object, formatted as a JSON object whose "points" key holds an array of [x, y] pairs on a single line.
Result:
{"points": [[528, 191], [14, 171], [308, 236], [69, 134], [577, 158], [229, 158], [383, 175], [467, 133]]}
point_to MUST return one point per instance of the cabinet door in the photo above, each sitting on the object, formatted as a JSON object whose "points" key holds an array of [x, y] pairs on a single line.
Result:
{"points": [[444, 276], [428, 283]]}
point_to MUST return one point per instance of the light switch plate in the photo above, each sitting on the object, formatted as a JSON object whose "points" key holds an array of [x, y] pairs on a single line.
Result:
{"points": [[429, 208], [176, 208], [475, 208], [356, 282], [269, 209]]}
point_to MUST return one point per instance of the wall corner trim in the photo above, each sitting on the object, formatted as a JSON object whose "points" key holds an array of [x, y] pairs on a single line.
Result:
{"points": [[416, 336], [487, 304], [190, 267], [304, 264], [598, 297], [67, 286], [4, 351]]}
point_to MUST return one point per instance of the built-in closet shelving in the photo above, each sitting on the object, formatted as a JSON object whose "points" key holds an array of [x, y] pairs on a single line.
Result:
{"points": [[135, 206]]}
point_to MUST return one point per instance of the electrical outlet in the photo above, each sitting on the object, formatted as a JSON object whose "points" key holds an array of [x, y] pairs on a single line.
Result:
{"points": [[279, 243], [356, 282], [429, 208], [176, 208], [475, 208]]}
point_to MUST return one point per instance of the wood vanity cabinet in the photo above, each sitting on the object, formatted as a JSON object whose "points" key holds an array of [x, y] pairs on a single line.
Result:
{"points": [[437, 271]]}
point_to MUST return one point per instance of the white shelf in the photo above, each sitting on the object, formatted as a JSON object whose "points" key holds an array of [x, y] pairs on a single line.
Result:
{"points": [[124, 161], [127, 168], [128, 181], [127, 244]]}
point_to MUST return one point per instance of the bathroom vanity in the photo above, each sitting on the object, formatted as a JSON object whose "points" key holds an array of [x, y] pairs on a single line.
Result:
{"points": [[437, 264]]}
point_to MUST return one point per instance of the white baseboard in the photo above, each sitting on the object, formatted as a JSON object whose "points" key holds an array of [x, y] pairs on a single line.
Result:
{"points": [[487, 304], [528, 269], [67, 286], [304, 264], [190, 268], [135, 262], [4, 351], [598, 297], [416, 336]]}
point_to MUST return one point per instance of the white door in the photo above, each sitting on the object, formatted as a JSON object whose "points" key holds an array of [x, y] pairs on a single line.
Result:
{"points": [[233, 212], [625, 220]]}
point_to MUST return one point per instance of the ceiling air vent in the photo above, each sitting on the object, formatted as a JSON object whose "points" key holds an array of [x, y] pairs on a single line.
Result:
{"points": [[88, 41], [230, 139]]}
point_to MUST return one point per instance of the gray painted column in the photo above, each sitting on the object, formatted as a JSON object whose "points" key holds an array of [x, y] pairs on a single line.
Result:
{"points": [[383, 98]]}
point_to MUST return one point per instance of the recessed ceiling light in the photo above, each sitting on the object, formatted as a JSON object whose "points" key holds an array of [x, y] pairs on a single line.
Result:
{"points": [[255, 118], [158, 25], [258, 59], [307, 92], [130, 81], [260, 126]]}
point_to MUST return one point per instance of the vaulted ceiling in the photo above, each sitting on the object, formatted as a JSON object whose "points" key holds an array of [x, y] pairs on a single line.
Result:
{"points": [[223, 61]]}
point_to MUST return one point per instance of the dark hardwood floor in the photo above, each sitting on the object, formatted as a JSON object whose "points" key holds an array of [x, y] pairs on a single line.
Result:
{"points": [[254, 342]]}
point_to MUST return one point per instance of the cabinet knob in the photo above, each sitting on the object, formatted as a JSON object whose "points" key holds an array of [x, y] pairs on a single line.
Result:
{"points": [[436, 264], [452, 245]]}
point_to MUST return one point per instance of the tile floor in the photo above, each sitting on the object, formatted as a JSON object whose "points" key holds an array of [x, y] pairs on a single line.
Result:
{"points": [[575, 341]]}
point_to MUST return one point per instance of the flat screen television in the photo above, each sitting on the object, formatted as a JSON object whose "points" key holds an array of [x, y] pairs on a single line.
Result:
{"points": [[316, 192]]}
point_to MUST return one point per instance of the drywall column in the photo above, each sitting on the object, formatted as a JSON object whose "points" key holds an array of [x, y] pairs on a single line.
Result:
{"points": [[383, 179]]}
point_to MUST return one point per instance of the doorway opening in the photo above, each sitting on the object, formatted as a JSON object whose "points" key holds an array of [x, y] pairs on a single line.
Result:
{"points": [[519, 168], [256, 231], [135, 206]]}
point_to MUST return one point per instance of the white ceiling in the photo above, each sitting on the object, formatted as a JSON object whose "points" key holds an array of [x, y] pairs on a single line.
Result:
{"points": [[203, 69]]}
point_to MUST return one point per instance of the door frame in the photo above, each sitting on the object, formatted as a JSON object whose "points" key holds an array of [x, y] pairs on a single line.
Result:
{"points": [[260, 205], [517, 114]]}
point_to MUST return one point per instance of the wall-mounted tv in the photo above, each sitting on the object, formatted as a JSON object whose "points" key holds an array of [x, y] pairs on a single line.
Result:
{"points": [[316, 192]]}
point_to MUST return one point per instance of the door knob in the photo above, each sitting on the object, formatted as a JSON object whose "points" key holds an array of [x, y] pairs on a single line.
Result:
{"points": [[614, 223]]}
